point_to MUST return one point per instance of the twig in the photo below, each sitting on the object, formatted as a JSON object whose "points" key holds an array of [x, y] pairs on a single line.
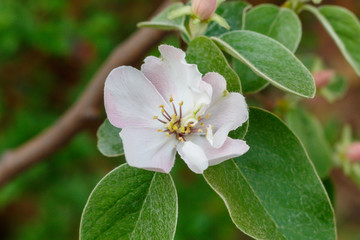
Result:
{"points": [[85, 110]]}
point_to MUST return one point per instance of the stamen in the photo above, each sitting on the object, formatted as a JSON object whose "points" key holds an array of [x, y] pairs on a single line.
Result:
{"points": [[207, 116], [181, 103], [165, 114], [181, 139], [155, 117], [200, 130], [199, 117], [187, 129], [174, 107], [161, 121], [160, 130], [161, 106], [202, 124], [171, 99]]}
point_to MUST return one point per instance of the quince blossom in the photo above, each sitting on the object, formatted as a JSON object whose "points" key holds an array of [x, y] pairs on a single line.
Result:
{"points": [[203, 9], [168, 107]]}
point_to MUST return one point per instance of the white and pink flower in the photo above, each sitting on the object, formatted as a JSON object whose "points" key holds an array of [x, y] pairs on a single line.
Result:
{"points": [[168, 107]]}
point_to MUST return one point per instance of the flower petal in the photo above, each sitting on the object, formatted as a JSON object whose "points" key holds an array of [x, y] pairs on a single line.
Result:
{"points": [[230, 149], [172, 75], [218, 84], [227, 113], [194, 156], [131, 100], [148, 149]]}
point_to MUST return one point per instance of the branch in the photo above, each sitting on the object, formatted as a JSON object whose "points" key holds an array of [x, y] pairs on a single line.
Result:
{"points": [[85, 110]]}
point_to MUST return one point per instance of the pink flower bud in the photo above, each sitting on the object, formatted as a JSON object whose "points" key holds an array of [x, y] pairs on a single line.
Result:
{"points": [[353, 152], [203, 9], [322, 78]]}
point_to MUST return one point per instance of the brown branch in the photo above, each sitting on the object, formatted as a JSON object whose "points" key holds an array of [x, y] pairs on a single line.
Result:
{"points": [[85, 110]]}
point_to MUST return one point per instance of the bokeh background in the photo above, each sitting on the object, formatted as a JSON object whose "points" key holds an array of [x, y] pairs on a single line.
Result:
{"points": [[49, 50]]}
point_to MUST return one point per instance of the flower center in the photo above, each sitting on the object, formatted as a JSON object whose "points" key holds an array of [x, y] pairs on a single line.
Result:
{"points": [[178, 125]]}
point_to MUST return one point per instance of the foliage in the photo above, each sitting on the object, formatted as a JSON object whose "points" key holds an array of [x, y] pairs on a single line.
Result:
{"points": [[272, 192]]}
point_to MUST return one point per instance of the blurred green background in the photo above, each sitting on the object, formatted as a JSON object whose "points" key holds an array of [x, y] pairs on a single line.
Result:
{"points": [[48, 52]]}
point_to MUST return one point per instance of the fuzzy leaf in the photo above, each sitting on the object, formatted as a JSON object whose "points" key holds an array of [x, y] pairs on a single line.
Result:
{"points": [[270, 60], [273, 192], [281, 24], [131, 203], [344, 27], [311, 134]]}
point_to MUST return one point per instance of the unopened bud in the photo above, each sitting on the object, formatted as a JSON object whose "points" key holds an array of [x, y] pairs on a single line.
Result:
{"points": [[353, 152], [322, 78], [203, 9]]}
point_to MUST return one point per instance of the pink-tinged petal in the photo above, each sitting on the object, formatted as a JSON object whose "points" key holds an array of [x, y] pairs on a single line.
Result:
{"points": [[194, 156], [131, 100], [148, 149], [230, 149], [172, 75], [226, 114], [203, 9], [218, 84]]}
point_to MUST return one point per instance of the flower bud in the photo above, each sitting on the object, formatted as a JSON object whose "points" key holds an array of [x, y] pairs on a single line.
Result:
{"points": [[353, 152], [322, 78], [203, 9]]}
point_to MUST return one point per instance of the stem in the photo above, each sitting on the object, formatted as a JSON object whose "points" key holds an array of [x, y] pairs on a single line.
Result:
{"points": [[86, 110]]}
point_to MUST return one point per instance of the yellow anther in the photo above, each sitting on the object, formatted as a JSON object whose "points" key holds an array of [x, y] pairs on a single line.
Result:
{"points": [[161, 106], [171, 99], [181, 139], [160, 130], [202, 124], [174, 117], [200, 130], [162, 110], [175, 128], [155, 117], [182, 129], [168, 135], [181, 103], [199, 117], [188, 130], [207, 116]]}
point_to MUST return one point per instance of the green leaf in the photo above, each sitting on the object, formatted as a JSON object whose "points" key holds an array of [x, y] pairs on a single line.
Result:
{"points": [[131, 203], [161, 21], [250, 82], [109, 141], [335, 90], [209, 58], [233, 13], [270, 60], [273, 192], [311, 134], [281, 24], [344, 28]]}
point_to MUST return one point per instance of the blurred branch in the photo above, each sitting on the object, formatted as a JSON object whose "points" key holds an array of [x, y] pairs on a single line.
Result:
{"points": [[86, 110]]}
